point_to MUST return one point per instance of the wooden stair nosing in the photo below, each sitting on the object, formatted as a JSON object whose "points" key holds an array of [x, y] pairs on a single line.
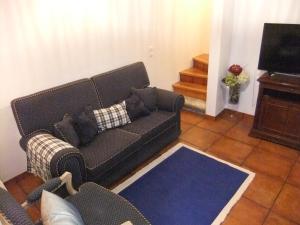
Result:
{"points": [[193, 72], [190, 87], [192, 94], [202, 59]]}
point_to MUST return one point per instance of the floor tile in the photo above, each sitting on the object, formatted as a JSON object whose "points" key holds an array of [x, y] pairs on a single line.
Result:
{"points": [[34, 213], [231, 115], [191, 118], [240, 132], [269, 163], [288, 203], [272, 163], [264, 190], [29, 182], [189, 144], [15, 190], [274, 219], [246, 212], [247, 120], [200, 137], [185, 126], [231, 150], [279, 149], [294, 176], [218, 125]]}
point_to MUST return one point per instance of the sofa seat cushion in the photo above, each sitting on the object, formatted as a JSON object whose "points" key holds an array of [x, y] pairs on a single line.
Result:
{"points": [[150, 126], [108, 149]]}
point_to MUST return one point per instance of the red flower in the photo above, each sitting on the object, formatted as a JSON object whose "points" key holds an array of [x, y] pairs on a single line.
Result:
{"points": [[235, 69]]}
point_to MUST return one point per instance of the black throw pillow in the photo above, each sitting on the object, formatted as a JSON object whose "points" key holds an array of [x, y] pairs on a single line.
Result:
{"points": [[88, 110], [65, 131], [135, 107], [148, 95], [85, 126]]}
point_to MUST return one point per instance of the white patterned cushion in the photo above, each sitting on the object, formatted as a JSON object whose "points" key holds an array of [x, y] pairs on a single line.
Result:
{"points": [[111, 117]]}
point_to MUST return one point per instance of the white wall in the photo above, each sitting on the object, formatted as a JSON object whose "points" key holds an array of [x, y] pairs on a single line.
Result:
{"points": [[249, 17], [220, 47], [44, 43], [244, 38]]}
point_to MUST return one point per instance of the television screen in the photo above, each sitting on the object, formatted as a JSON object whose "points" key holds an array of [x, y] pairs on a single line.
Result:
{"points": [[280, 48]]}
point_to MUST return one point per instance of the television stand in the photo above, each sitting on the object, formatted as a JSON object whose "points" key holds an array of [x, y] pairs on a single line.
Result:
{"points": [[277, 114], [284, 74]]}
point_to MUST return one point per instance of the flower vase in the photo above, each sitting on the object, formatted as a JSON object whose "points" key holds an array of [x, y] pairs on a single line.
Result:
{"points": [[234, 94]]}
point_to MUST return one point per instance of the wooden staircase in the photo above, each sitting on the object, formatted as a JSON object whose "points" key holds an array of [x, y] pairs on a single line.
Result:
{"points": [[193, 81]]}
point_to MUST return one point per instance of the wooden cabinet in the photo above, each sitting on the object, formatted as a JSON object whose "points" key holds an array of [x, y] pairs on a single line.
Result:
{"points": [[277, 115], [292, 129]]}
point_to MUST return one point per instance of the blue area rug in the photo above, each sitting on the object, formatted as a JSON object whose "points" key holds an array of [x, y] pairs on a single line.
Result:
{"points": [[185, 187]]}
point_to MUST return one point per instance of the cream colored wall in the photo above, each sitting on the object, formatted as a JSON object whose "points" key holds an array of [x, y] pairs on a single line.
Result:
{"points": [[44, 43]]}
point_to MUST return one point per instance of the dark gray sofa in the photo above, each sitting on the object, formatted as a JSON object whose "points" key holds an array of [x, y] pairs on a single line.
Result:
{"points": [[114, 152]]}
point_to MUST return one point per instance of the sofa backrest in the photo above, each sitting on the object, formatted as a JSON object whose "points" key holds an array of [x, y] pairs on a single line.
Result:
{"points": [[41, 110], [114, 86]]}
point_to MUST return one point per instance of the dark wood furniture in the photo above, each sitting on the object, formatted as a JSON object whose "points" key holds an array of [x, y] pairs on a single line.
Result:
{"points": [[277, 115]]}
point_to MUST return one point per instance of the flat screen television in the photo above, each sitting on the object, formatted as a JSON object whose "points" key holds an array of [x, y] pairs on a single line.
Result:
{"points": [[280, 49]]}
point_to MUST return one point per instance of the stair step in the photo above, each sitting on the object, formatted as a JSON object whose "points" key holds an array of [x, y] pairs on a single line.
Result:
{"points": [[194, 72], [190, 89], [201, 62], [203, 58], [194, 75]]}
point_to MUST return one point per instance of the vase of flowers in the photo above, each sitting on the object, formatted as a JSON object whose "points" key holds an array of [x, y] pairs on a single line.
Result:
{"points": [[234, 79]]}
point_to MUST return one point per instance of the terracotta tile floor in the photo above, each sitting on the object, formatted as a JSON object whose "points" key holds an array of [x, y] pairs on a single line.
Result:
{"points": [[273, 198]]}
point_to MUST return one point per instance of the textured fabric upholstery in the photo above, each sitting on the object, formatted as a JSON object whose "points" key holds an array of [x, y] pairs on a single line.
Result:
{"points": [[12, 210], [150, 126], [40, 150], [24, 139], [41, 110], [49, 185], [148, 150], [112, 117], [108, 149], [170, 101], [113, 153], [98, 205], [148, 95], [114, 86], [69, 160], [65, 131]]}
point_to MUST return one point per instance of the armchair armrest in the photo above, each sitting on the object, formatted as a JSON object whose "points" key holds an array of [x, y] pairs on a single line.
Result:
{"points": [[48, 156], [169, 101], [51, 185]]}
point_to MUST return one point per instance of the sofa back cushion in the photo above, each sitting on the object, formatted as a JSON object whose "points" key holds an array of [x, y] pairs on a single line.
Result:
{"points": [[41, 110], [114, 86]]}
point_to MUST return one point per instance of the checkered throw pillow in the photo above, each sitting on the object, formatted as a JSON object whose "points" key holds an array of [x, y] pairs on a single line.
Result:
{"points": [[111, 117], [40, 150]]}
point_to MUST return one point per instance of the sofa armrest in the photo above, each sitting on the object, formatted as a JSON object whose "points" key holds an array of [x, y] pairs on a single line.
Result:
{"points": [[48, 156], [72, 161], [169, 101]]}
